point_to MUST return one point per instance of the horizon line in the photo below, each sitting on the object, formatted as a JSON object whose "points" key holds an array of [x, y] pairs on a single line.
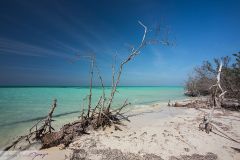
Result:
{"points": [[6, 86]]}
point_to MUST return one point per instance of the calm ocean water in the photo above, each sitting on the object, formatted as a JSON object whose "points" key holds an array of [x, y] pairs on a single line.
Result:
{"points": [[20, 106]]}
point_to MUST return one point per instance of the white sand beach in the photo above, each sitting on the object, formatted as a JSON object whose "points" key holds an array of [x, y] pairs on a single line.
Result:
{"points": [[158, 132]]}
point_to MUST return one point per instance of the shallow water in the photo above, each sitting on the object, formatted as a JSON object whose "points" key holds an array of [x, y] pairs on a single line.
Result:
{"points": [[20, 107]]}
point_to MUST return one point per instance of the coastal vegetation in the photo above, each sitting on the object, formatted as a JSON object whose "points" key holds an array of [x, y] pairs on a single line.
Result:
{"points": [[219, 82], [200, 82], [204, 76]]}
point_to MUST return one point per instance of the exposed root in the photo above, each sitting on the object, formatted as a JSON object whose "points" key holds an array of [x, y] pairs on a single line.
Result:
{"points": [[37, 133], [100, 118]]}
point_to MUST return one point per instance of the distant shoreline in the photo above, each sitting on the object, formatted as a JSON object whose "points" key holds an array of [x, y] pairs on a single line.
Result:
{"points": [[62, 86]]}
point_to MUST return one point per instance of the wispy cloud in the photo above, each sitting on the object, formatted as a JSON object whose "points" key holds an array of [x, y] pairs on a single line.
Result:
{"points": [[75, 35], [8, 46]]}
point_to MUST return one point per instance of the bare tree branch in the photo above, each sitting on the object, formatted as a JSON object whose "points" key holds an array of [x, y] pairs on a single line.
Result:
{"points": [[91, 79], [206, 124], [129, 58], [101, 116]]}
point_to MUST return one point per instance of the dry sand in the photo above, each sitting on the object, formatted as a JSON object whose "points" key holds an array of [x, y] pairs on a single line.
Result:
{"points": [[158, 132]]}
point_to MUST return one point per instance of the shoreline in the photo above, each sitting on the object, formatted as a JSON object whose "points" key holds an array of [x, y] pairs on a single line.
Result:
{"points": [[60, 121], [161, 132]]}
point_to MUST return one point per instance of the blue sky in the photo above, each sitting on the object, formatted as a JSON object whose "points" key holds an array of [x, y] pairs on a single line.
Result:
{"points": [[37, 39]]}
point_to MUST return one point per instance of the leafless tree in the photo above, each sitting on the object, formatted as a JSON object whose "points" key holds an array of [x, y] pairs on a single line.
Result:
{"points": [[217, 95], [101, 115], [133, 53]]}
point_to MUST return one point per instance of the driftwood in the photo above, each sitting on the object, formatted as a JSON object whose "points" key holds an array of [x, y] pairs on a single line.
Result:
{"points": [[191, 93], [231, 104], [194, 104], [68, 132], [226, 103], [35, 132], [72, 130], [100, 116]]}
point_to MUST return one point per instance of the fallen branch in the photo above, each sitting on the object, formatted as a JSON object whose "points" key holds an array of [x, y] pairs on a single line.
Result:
{"points": [[68, 132], [38, 133]]}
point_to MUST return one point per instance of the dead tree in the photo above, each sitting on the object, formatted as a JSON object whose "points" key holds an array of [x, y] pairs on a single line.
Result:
{"points": [[99, 116], [217, 95], [133, 53]]}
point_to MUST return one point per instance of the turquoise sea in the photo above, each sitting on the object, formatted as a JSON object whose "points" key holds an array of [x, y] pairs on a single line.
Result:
{"points": [[21, 107]]}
